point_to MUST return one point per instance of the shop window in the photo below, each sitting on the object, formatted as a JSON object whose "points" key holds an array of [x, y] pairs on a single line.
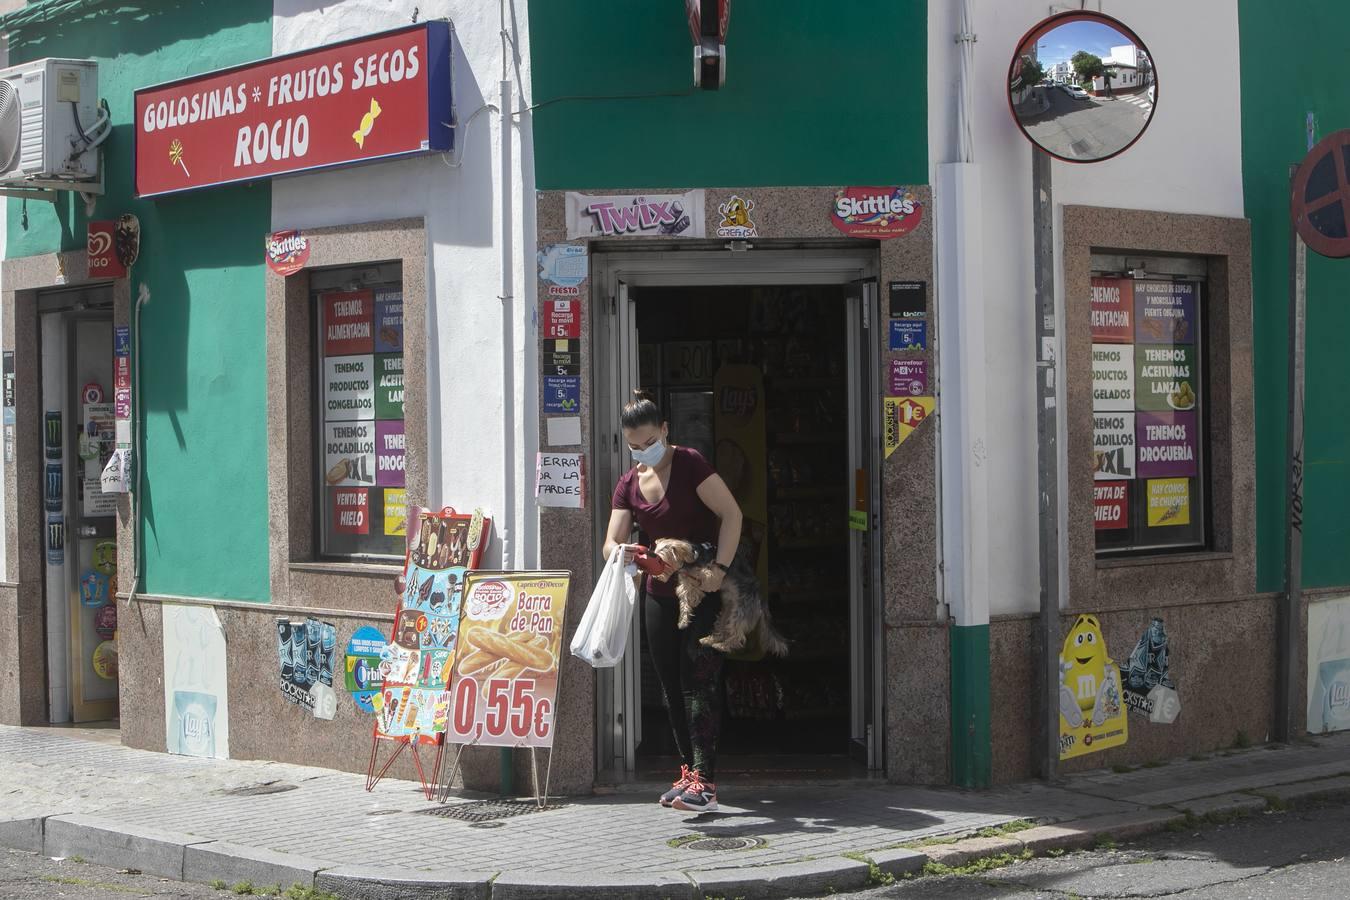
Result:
{"points": [[358, 419], [1149, 405]]}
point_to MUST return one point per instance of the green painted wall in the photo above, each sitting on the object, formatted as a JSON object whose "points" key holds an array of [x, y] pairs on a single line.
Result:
{"points": [[1311, 48], [816, 93], [204, 373]]}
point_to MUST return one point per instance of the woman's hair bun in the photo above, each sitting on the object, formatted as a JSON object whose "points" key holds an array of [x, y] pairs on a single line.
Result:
{"points": [[641, 410]]}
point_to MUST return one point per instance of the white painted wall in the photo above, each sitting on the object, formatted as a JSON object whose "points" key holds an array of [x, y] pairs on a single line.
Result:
{"points": [[1188, 161], [460, 200]]}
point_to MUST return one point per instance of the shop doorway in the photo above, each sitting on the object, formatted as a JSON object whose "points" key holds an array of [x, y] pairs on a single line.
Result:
{"points": [[784, 339], [79, 521]]}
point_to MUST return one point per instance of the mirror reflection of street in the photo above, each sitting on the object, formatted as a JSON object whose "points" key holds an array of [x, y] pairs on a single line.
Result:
{"points": [[1082, 127]]}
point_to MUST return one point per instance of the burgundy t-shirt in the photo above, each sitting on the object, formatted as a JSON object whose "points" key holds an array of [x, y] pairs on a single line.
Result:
{"points": [[679, 514]]}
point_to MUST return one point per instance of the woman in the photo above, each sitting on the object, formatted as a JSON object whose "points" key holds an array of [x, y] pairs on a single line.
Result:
{"points": [[672, 492]]}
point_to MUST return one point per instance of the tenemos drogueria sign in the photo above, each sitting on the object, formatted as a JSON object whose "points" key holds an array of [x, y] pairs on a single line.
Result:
{"points": [[376, 97]]}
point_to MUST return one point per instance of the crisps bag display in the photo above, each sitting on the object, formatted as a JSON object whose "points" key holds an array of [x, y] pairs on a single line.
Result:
{"points": [[414, 701]]}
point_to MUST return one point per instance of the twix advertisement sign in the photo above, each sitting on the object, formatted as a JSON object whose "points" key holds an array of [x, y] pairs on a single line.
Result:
{"points": [[375, 97]]}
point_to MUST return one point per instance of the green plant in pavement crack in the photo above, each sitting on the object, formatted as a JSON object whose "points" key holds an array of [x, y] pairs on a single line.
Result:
{"points": [[876, 876]]}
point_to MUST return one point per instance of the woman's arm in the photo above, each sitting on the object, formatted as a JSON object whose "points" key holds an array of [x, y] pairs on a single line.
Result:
{"points": [[717, 497], [620, 529]]}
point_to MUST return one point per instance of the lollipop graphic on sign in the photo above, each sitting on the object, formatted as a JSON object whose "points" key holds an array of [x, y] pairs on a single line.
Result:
{"points": [[176, 156]]}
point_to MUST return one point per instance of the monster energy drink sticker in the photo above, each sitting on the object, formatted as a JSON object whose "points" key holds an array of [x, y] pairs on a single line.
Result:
{"points": [[52, 494], [51, 434], [56, 539], [1149, 690]]}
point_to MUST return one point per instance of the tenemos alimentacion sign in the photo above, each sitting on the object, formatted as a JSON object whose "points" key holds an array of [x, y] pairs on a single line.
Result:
{"points": [[375, 97]]}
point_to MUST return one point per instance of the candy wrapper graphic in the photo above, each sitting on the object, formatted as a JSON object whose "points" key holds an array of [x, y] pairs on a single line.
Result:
{"points": [[1091, 709]]}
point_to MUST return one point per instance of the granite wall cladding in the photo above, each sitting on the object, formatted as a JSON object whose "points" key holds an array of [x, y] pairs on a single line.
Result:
{"points": [[916, 675], [263, 723], [1221, 657]]}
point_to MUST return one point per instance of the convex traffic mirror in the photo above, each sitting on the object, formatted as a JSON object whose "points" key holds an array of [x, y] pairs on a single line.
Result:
{"points": [[1082, 87]]}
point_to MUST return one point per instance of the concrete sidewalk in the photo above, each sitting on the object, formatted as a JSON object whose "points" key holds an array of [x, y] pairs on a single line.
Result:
{"points": [[266, 823]]}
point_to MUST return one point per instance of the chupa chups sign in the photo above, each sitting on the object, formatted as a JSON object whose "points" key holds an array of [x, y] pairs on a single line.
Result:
{"points": [[287, 252], [375, 97], [876, 212]]}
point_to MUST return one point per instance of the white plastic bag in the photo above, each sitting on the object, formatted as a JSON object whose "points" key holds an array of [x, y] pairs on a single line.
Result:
{"points": [[603, 633]]}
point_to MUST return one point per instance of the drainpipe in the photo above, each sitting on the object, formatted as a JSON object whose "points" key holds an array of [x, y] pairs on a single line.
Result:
{"points": [[507, 514], [963, 374]]}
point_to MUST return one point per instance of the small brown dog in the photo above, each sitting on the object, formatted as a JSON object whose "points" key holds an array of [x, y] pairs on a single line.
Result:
{"points": [[743, 608]]}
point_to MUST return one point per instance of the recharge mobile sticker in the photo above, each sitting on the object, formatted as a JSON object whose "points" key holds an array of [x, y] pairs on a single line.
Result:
{"points": [[562, 393], [908, 335]]}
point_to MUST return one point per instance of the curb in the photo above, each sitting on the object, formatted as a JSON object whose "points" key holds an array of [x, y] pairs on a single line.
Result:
{"points": [[378, 883], [186, 857]]}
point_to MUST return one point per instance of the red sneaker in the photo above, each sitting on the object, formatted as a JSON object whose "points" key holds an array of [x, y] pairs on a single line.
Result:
{"points": [[699, 796], [678, 786]]}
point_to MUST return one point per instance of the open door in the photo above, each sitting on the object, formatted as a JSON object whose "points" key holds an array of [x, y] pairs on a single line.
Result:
{"points": [[617, 721], [866, 620], [78, 518]]}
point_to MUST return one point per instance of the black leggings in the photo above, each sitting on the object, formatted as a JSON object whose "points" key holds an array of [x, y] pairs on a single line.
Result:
{"points": [[690, 676]]}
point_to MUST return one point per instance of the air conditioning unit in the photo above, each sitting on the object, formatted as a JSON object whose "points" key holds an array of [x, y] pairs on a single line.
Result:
{"points": [[50, 122]]}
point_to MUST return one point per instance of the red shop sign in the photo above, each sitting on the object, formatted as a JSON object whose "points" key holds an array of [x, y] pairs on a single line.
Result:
{"points": [[562, 319], [375, 97], [876, 212], [103, 261]]}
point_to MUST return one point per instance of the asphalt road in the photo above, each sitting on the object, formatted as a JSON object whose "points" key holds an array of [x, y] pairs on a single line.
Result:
{"points": [[25, 875], [1089, 128], [1269, 856]]}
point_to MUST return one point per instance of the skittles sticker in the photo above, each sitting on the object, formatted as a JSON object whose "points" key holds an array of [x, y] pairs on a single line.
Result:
{"points": [[287, 252], [876, 212]]}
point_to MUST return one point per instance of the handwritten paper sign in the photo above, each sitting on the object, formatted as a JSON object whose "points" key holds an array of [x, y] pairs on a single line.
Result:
{"points": [[560, 480]]}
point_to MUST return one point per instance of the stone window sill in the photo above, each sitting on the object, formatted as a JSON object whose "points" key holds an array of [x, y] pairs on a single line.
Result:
{"points": [[1163, 559], [367, 570]]}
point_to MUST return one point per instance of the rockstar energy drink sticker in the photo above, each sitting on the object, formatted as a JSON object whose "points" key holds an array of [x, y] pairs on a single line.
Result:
{"points": [[900, 416]]}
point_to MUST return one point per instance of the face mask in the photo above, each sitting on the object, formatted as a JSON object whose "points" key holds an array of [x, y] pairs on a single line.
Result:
{"points": [[650, 456]]}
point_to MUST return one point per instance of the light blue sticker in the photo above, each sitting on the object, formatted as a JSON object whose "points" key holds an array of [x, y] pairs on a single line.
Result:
{"points": [[909, 335], [565, 265]]}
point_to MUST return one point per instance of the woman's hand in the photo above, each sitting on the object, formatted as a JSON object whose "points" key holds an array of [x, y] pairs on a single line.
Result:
{"points": [[712, 579]]}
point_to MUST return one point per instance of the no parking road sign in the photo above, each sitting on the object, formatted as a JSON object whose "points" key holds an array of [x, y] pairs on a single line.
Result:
{"points": [[1320, 201]]}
